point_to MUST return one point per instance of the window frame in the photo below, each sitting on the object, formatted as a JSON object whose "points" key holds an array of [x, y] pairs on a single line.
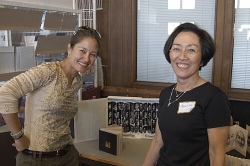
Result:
{"points": [[224, 55], [222, 61]]}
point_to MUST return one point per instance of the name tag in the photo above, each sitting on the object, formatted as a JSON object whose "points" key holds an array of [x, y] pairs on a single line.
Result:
{"points": [[186, 107]]}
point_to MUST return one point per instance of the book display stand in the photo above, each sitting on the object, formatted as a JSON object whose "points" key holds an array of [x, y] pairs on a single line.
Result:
{"points": [[93, 117]]}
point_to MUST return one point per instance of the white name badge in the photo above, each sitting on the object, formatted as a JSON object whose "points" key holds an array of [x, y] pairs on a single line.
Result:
{"points": [[186, 107]]}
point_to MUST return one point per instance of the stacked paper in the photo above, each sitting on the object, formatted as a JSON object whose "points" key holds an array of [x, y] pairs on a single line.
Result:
{"points": [[25, 58], [7, 64]]}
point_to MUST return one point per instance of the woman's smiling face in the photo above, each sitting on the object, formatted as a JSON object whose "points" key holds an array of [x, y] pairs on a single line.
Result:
{"points": [[185, 55], [83, 55]]}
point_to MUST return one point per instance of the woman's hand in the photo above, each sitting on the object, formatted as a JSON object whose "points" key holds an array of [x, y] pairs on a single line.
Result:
{"points": [[22, 143]]}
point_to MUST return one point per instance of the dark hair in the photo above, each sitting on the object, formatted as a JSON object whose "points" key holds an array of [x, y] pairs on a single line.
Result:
{"points": [[84, 32], [206, 41]]}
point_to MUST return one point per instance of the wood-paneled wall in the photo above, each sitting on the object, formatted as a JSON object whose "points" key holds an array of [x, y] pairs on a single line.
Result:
{"points": [[118, 31]]}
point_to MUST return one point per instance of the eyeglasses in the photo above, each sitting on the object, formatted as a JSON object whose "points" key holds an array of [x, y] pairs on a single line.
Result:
{"points": [[89, 29], [178, 51]]}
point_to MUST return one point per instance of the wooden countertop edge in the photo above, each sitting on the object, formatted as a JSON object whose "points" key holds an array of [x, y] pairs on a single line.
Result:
{"points": [[90, 157]]}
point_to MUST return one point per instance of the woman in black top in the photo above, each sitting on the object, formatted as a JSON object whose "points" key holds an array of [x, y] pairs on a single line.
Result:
{"points": [[194, 115]]}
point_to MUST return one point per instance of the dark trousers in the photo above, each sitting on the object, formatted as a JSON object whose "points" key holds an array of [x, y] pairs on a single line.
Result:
{"points": [[69, 159]]}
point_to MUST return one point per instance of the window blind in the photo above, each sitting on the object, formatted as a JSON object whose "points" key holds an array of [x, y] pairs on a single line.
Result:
{"points": [[241, 50], [156, 19]]}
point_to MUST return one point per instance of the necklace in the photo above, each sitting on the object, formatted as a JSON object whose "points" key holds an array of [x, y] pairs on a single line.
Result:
{"points": [[169, 100], [180, 94], [176, 92]]}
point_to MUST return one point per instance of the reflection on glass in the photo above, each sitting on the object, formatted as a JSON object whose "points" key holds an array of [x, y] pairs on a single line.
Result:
{"points": [[181, 4], [171, 27], [188, 4], [174, 4], [242, 4]]}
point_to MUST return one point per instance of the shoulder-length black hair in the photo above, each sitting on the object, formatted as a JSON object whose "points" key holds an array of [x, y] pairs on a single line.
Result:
{"points": [[206, 41]]}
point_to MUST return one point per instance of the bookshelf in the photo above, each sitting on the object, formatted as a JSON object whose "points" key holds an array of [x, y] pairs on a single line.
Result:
{"points": [[50, 27]]}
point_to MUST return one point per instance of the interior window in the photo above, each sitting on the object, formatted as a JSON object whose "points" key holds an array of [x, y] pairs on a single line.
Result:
{"points": [[241, 50], [156, 20]]}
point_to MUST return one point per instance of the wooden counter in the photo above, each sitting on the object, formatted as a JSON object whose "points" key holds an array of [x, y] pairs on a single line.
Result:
{"points": [[133, 154]]}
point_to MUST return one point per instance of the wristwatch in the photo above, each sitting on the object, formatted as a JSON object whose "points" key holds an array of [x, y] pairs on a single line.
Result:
{"points": [[17, 135]]}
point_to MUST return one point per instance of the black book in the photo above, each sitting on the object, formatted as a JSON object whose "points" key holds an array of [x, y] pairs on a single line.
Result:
{"points": [[110, 139]]}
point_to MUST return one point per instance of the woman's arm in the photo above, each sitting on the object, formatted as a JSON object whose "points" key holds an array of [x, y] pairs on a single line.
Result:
{"points": [[217, 138], [11, 91], [153, 152], [14, 126]]}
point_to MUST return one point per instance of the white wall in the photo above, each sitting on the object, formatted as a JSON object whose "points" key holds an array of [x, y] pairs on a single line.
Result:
{"points": [[53, 3]]}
